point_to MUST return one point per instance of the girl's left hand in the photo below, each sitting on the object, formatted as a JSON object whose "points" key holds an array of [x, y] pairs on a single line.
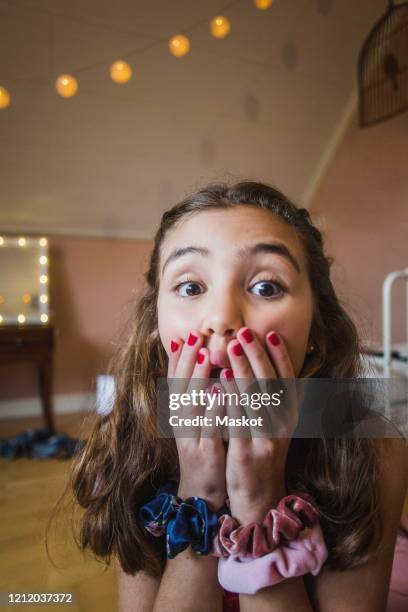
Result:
{"points": [[255, 466]]}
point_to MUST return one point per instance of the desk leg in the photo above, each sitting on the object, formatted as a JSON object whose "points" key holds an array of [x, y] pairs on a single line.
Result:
{"points": [[45, 381]]}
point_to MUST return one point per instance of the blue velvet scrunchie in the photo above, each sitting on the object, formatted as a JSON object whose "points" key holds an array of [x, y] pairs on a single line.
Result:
{"points": [[184, 522]]}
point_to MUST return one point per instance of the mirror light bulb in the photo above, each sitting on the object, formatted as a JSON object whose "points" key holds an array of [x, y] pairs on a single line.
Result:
{"points": [[4, 98], [43, 241], [66, 85], [179, 45], [220, 27], [44, 318], [21, 318], [21, 242], [43, 279], [120, 72]]}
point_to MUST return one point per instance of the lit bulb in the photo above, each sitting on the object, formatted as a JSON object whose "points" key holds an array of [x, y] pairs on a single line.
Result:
{"points": [[26, 299], [21, 318], [43, 241], [4, 98], [120, 72], [1, 240], [44, 318], [179, 45], [263, 4], [66, 85], [2, 300], [21, 242], [43, 259], [1, 319], [43, 279], [220, 27], [43, 298]]}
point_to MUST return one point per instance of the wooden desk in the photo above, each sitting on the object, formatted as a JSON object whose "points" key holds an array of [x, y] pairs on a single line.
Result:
{"points": [[35, 344]]}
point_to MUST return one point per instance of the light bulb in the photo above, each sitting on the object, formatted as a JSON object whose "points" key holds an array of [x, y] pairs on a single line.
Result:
{"points": [[4, 98], [21, 318], [220, 27], [43, 241], [263, 4], [1, 319], [43, 279], [43, 298], [26, 299], [66, 85], [120, 72], [21, 242], [2, 300], [43, 259], [179, 45], [44, 318], [1, 240]]}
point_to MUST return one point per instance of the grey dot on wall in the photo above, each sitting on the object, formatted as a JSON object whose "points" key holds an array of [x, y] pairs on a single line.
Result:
{"points": [[324, 7], [251, 107], [289, 55]]}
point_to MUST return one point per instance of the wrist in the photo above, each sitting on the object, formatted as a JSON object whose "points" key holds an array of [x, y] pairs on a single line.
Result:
{"points": [[247, 510], [213, 500]]}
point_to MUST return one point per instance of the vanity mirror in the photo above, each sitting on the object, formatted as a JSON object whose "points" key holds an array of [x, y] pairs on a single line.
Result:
{"points": [[24, 281]]}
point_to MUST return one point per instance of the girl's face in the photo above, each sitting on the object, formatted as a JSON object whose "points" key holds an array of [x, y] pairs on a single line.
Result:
{"points": [[221, 270]]}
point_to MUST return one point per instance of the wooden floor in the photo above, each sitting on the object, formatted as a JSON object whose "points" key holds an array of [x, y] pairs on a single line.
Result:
{"points": [[28, 491]]}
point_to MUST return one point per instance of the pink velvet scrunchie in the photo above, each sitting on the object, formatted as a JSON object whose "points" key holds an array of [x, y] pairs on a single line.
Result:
{"points": [[298, 557], [285, 522]]}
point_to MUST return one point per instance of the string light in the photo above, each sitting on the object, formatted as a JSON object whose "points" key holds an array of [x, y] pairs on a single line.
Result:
{"points": [[120, 72], [179, 45], [4, 98], [66, 85], [220, 27], [263, 4]]}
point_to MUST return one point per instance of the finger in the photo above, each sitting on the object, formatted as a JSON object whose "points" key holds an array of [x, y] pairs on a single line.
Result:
{"points": [[244, 367], [288, 411], [212, 424], [233, 410]]}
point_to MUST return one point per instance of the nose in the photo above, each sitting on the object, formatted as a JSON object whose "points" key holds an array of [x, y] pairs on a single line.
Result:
{"points": [[222, 321]]}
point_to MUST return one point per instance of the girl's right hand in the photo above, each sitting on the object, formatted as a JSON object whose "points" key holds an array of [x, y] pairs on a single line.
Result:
{"points": [[202, 459]]}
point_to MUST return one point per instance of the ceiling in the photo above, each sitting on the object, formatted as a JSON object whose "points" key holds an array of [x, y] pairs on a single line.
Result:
{"points": [[269, 102]]}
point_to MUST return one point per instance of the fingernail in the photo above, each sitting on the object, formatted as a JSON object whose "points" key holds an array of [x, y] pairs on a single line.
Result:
{"points": [[274, 338], [174, 346], [247, 335], [200, 357], [229, 374], [237, 350], [192, 339]]}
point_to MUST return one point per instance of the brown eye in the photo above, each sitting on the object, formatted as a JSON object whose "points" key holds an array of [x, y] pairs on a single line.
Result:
{"points": [[189, 287], [266, 288]]}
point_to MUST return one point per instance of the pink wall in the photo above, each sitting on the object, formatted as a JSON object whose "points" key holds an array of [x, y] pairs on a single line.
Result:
{"points": [[91, 283], [364, 203]]}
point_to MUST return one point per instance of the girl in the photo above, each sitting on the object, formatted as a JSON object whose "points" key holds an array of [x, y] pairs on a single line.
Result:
{"points": [[238, 288]]}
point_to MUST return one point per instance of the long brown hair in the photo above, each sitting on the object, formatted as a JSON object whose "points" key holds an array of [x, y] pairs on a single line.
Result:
{"points": [[124, 459]]}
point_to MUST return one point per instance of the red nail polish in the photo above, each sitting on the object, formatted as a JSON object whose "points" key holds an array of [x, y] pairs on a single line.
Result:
{"points": [[237, 350], [200, 357], [247, 335], [229, 374], [274, 338], [174, 346], [192, 339]]}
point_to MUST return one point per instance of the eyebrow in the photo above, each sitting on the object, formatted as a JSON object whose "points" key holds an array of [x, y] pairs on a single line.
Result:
{"points": [[276, 248]]}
